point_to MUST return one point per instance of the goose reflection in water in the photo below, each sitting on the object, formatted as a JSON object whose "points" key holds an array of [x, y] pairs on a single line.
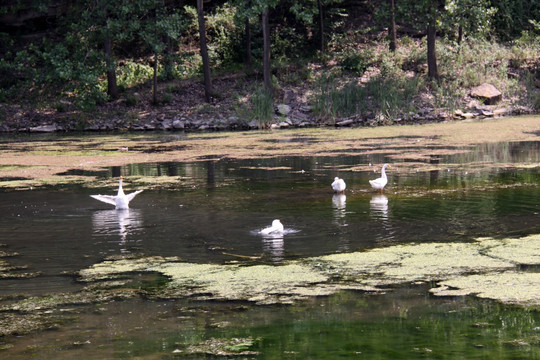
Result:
{"points": [[379, 210], [117, 222], [339, 204], [379, 206], [273, 245]]}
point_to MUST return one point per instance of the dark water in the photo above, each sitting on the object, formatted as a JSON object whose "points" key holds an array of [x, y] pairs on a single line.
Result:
{"points": [[213, 216]]}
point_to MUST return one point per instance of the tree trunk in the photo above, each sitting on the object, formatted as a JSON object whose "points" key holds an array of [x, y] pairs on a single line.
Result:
{"points": [[169, 63], [249, 61], [266, 53], [321, 26], [432, 57], [392, 29], [154, 95], [112, 88], [460, 34], [204, 53]]}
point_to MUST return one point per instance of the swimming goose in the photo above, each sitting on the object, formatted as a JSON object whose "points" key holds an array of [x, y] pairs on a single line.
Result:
{"points": [[276, 228], [339, 185], [381, 182], [120, 200]]}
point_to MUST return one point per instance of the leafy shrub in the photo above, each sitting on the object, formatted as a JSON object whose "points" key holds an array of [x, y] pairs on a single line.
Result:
{"points": [[355, 61]]}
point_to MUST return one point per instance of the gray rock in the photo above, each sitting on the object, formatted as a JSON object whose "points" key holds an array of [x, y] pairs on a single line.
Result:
{"points": [[166, 124], [45, 128], [345, 123], [253, 124], [284, 124], [178, 124], [487, 92], [283, 109]]}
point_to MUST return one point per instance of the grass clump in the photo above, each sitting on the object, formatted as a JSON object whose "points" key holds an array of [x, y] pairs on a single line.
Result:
{"points": [[262, 103]]}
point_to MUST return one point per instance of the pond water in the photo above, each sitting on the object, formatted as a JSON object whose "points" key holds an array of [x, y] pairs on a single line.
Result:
{"points": [[213, 215]]}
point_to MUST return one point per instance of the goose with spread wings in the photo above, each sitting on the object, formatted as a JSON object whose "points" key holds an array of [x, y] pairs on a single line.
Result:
{"points": [[120, 200]]}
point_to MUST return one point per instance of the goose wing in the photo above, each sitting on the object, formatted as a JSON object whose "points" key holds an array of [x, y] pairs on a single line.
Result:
{"points": [[133, 194], [109, 199]]}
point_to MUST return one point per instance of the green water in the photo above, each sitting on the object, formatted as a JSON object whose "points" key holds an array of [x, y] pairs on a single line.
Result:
{"points": [[212, 216]]}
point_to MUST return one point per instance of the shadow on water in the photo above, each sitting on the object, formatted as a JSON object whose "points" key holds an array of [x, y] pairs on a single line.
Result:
{"points": [[213, 215]]}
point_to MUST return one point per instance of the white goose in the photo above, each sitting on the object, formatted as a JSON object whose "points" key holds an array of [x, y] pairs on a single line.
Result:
{"points": [[276, 228], [120, 200], [381, 182], [339, 185]]}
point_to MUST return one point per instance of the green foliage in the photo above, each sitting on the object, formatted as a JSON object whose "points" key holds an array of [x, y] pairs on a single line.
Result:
{"points": [[131, 74], [225, 36], [355, 61], [514, 17], [473, 16]]}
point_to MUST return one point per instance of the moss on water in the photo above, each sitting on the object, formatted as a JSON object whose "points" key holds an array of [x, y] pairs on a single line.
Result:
{"points": [[106, 269], [371, 270], [488, 268], [223, 347], [523, 251], [511, 287], [259, 283]]}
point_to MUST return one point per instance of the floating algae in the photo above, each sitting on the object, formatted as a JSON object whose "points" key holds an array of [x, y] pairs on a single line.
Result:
{"points": [[8, 271], [416, 262], [258, 283], [373, 270], [110, 268], [512, 287], [223, 347]]}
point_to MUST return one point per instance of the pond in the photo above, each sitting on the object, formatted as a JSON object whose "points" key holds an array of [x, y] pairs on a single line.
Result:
{"points": [[210, 213]]}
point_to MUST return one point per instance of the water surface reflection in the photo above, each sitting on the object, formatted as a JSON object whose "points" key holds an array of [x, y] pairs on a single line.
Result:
{"points": [[212, 215], [120, 222]]}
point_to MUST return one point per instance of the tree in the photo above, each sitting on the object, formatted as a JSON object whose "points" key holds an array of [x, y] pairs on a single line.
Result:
{"points": [[321, 25], [266, 52], [204, 52], [392, 27], [425, 15], [433, 71], [112, 88], [469, 16], [247, 33]]}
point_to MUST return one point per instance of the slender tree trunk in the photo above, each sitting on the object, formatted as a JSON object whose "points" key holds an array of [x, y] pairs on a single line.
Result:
{"points": [[321, 25], [266, 52], [204, 53], [112, 88], [249, 61], [154, 95], [169, 63], [392, 29], [460, 34], [431, 55]]}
